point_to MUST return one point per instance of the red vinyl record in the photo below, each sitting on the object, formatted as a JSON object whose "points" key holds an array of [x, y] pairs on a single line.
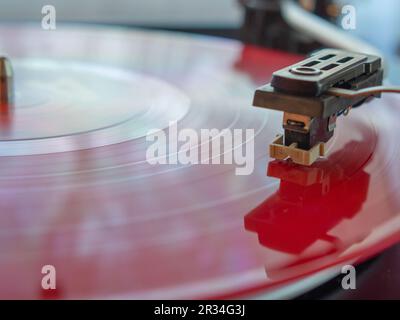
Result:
{"points": [[77, 193]]}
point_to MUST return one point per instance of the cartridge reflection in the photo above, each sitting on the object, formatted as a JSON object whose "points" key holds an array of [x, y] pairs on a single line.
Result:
{"points": [[310, 202]]}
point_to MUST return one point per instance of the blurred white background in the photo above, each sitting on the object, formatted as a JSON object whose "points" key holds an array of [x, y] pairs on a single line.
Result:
{"points": [[378, 21], [163, 13]]}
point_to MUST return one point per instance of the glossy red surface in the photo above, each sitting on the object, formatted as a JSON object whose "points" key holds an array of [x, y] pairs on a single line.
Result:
{"points": [[81, 196]]}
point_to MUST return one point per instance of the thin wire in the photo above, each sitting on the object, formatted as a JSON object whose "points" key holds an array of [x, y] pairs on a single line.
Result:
{"points": [[345, 93]]}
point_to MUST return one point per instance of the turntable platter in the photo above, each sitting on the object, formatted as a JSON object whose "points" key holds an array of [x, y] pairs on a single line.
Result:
{"points": [[76, 191]]}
